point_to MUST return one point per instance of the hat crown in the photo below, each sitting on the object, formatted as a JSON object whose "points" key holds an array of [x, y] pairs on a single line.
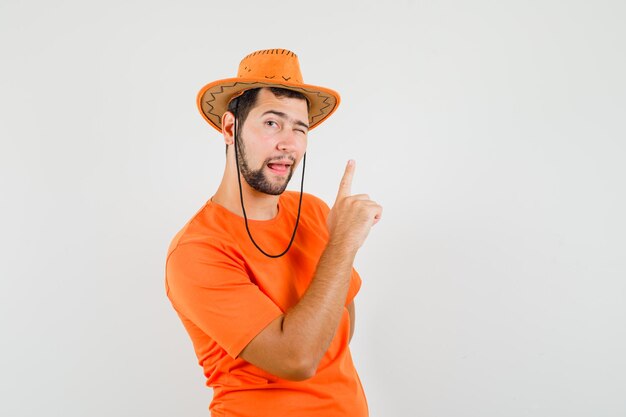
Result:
{"points": [[280, 65]]}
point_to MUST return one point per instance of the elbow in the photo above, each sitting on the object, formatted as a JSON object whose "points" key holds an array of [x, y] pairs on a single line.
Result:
{"points": [[303, 373], [300, 369], [299, 374]]}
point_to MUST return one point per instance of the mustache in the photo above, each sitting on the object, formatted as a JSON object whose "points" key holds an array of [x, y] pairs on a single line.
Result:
{"points": [[279, 159]]}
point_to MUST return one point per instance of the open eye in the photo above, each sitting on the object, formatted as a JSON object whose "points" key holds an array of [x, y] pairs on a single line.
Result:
{"points": [[271, 123]]}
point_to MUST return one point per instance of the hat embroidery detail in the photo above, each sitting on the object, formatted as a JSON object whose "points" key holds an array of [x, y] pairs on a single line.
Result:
{"points": [[312, 118]]}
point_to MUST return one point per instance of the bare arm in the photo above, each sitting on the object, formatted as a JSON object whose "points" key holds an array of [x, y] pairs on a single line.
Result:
{"points": [[292, 346]]}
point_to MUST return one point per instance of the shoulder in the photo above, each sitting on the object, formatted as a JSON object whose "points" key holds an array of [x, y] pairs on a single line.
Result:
{"points": [[207, 262], [205, 233]]}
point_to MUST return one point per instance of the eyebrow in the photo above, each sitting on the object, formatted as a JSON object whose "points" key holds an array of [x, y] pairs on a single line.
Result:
{"points": [[285, 116]]}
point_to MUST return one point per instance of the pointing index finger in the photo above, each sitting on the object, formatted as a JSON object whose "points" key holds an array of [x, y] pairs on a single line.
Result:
{"points": [[345, 187]]}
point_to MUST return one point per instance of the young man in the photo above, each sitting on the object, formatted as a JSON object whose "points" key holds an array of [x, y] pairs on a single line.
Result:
{"points": [[262, 279]]}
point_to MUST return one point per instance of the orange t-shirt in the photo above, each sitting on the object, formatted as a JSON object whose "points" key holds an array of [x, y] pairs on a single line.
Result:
{"points": [[226, 292]]}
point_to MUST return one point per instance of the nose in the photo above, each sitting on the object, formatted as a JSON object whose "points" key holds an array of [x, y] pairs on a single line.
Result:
{"points": [[288, 141]]}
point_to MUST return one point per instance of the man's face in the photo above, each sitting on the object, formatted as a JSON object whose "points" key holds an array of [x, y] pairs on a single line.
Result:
{"points": [[272, 141]]}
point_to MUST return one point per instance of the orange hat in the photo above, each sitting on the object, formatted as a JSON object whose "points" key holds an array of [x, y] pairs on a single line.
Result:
{"points": [[266, 68]]}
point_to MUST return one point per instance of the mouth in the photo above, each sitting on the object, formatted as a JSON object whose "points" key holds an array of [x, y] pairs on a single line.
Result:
{"points": [[280, 167]]}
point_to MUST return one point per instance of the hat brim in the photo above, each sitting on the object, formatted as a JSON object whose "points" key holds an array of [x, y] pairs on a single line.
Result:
{"points": [[214, 97]]}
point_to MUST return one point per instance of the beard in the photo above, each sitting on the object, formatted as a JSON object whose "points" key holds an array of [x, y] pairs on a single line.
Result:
{"points": [[257, 179]]}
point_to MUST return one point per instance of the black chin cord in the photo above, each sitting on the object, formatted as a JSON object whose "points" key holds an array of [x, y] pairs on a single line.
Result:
{"points": [[243, 209]]}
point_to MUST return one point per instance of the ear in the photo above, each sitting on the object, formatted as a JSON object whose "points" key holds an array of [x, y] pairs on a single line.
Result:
{"points": [[228, 128]]}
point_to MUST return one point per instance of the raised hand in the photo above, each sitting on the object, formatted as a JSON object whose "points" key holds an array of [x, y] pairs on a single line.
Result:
{"points": [[352, 216]]}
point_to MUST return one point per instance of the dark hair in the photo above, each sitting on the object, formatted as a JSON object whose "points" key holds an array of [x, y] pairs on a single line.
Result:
{"points": [[241, 106]]}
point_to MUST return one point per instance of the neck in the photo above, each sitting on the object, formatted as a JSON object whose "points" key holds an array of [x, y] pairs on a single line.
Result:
{"points": [[259, 206]]}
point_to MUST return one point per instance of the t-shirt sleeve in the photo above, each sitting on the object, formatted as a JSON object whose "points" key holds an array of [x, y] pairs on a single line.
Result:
{"points": [[208, 284]]}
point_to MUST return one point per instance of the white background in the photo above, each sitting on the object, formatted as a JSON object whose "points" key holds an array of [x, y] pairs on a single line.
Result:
{"points": [[492, 132]]}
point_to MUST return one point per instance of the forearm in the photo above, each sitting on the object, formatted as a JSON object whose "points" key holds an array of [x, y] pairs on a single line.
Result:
{"points": [[309, 327]]}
